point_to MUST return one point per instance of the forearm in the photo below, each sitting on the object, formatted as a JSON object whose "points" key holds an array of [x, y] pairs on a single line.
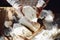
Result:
{"points": [[14, 3]]}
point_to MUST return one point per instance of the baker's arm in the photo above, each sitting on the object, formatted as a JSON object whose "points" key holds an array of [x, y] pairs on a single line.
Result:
{"points": [[14, 3], [42, 3]]}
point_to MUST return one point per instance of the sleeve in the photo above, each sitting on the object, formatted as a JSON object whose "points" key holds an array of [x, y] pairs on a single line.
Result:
{"points": [[14, 3], [40, 3]]}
